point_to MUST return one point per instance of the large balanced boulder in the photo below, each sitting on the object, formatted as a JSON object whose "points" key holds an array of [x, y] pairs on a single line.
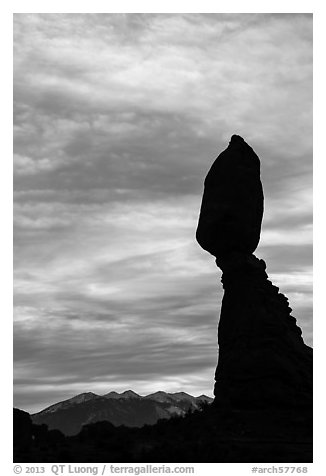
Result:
{"points": [[233, 202]]}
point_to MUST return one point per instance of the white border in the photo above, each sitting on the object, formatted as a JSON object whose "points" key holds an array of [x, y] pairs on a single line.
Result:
{"points": [[121, 6]]}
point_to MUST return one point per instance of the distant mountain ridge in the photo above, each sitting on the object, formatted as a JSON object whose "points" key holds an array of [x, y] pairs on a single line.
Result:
{"points": [[126, 408]]}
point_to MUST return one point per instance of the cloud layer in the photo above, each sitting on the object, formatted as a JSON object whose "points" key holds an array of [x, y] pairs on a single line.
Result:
{"points": [[117, 118]]}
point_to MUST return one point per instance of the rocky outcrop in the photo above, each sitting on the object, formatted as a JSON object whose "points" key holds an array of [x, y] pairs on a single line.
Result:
{"points": [[263, 361]]}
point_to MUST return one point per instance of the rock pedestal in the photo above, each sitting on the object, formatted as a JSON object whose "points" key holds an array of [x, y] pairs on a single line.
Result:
{"points": [[263, 360]]}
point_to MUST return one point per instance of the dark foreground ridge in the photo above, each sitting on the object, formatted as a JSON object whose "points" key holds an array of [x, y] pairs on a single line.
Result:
{"points": [[209, 435], [262, 411]]}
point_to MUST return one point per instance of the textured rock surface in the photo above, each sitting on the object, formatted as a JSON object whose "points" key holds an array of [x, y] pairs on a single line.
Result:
{"points": [[233, 201], [263, 361]]}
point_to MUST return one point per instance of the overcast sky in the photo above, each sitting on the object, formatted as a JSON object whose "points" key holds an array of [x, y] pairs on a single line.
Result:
{"points": [[117, 119]]}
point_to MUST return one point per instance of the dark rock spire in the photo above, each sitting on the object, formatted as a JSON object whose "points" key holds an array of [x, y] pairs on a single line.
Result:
{"points": [[263, 361]]}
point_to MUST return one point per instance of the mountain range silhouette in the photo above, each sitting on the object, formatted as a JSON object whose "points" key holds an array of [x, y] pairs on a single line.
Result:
{"points": [[126, 408]]}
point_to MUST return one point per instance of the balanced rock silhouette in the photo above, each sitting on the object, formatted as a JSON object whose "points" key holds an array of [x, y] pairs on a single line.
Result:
{"points": [[233, 202], [263, 361]]}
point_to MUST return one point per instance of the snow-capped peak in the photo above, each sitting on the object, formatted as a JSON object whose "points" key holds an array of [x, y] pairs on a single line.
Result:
{"points": [[81, 398]]}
